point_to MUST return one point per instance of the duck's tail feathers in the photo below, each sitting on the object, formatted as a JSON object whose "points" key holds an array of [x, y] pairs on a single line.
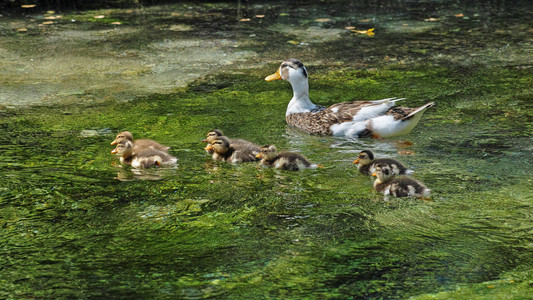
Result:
{"points": [[420, 109]]}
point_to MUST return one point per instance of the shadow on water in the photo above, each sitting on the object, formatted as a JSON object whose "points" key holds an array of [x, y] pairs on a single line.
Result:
{"points": [[76, 224]]}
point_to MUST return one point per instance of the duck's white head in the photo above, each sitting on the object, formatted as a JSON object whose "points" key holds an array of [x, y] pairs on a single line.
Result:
{"points": [[295, 72], [291, 70]]}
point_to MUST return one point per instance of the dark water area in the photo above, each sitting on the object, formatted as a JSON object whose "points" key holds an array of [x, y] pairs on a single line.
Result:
{"points": [[75, 223]]}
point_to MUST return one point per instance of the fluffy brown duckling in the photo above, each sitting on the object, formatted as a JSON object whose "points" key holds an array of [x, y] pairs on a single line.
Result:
{"points": [[138, 144], [284, 160], [366, 164], [215, 133], [224, 150], [388, 184], [143, 158]]}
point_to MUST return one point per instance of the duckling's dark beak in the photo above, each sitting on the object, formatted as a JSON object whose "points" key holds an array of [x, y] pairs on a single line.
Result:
{"points": [[258, 156], [274, 76], [356, 161]]}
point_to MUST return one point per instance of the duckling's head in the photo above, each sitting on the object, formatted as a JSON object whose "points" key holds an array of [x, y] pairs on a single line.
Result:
{"points": [[365, 157], [291, 70], [383, 172], [220, 145], [268, 152], [212, 135], [122, 136], [123, 149]]}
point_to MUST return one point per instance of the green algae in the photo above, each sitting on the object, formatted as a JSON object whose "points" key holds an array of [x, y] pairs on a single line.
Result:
{"points": [[210, 229], [77, 225]]}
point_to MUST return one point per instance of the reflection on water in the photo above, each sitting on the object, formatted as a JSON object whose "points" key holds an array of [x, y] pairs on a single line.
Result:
{"points": [[77, 224]]}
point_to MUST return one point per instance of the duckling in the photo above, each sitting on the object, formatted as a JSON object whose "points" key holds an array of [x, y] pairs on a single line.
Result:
{"points": [[143, 158], [215, 133], [367, 163], [378, 118], [387, 184], [284, 160], [224, 150], [138, 144]]}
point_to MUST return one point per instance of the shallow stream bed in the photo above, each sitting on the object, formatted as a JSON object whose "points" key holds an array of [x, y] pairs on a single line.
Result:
{"points": [[76, 224]]}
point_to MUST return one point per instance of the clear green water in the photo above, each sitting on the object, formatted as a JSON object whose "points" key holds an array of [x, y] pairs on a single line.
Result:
{"points": [[76, 225]]}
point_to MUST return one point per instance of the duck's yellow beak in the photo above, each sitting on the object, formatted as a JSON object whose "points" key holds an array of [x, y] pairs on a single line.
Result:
{"points": [[258, 155], [356, 161], [274, 76], [114, 151], [374, 174], [208, 147]]}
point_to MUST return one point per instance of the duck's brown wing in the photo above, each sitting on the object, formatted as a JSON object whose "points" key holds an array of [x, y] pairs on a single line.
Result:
{"points": [[320, 122], [345, 111]]}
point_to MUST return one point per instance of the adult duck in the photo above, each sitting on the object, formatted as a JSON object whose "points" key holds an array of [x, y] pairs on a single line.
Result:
{"points": [[380, 118]]}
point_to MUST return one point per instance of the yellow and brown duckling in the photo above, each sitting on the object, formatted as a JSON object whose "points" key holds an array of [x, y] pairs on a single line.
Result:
{"points": [[379, 118], [142, 158], [138, 144], [366, 164], [224, 150], [215, 133], [388, 184], [284, 160]]}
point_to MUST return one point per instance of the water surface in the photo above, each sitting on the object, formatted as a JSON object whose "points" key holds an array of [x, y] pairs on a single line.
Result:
{"points": [[76, 224]]}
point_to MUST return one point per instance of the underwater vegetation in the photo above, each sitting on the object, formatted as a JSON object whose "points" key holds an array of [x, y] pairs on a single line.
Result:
{"points": [[78, 224]]}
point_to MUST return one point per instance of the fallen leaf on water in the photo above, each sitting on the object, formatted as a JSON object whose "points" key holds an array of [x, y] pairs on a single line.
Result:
{"points": [[431, 20], [28, 5], [116, 23], [175, 14], [99, 17], [51, 12], [293, 42], [323, 20], [490, 286], [49, 18], [406, 152], [259, 16], [349, 27], [245, 20], [369, 32], [47, 23], [22, 30], [459, 15], [364, 20]]}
